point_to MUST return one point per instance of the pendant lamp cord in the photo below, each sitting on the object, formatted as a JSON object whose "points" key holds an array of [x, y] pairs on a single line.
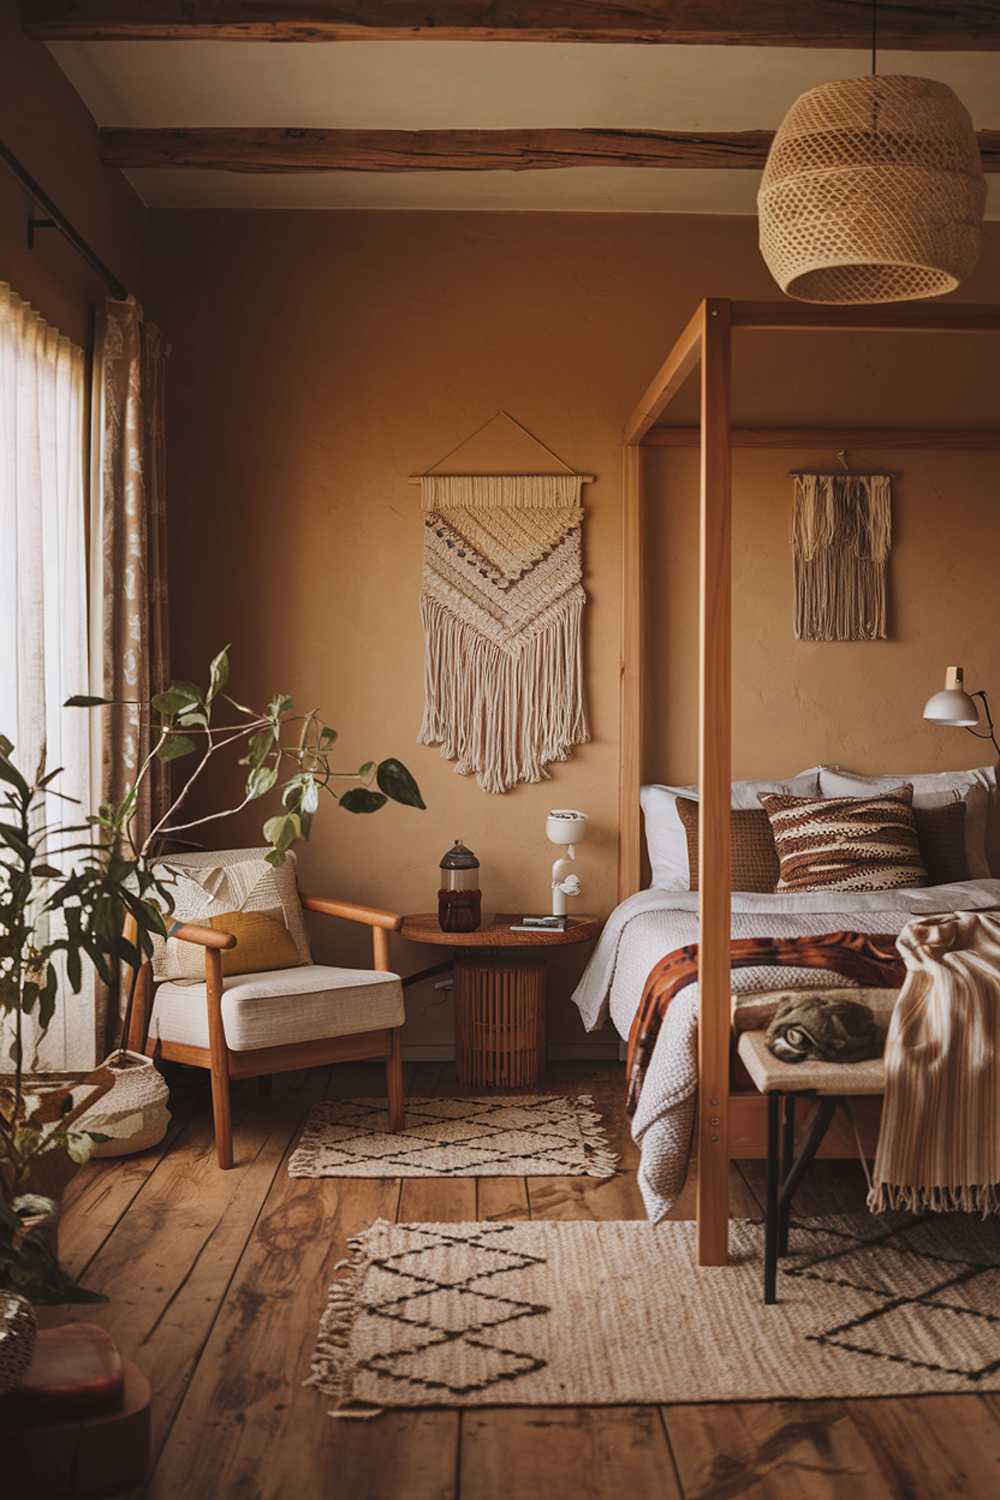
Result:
{"points": [[874, 35]]}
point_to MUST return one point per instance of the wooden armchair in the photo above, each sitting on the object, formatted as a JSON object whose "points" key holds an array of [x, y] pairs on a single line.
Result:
{"points": [[253, 1025]]}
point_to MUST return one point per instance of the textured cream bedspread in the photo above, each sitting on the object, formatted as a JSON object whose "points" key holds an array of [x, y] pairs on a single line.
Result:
{"points": [[653, 923]]}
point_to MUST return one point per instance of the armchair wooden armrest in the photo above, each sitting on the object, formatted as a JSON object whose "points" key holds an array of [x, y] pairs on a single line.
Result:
{"points": [[205, 937], [189, 932], [370, 916], [380, 921]]}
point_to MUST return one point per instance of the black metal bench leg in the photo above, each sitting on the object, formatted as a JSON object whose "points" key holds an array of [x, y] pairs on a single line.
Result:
{"points": [[825, 1109], [771, 1226], [787, 1158]]}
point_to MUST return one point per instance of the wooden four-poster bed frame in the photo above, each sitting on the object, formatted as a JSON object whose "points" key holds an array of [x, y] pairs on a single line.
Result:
{"points": [[730, 1125]]}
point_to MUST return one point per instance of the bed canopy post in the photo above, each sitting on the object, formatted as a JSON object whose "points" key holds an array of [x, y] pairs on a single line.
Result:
{"points": [[631, 668], [714, 778]]}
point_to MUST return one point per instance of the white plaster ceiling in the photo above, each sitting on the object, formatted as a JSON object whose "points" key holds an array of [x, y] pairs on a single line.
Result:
{"points": [[428, 85]]}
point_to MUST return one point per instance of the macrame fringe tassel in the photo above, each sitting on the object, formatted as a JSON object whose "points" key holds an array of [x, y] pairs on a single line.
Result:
{"points": [[333, 1365], [982, 1198], [841, 535], [504, 716]]}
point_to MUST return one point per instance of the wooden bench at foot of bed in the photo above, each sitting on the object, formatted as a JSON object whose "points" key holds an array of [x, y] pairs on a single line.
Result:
{"points": [[748, 1127], [748, 1115]]}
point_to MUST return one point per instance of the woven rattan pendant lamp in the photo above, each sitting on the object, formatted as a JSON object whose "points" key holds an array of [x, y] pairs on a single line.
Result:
{"points": [[873, 192]]}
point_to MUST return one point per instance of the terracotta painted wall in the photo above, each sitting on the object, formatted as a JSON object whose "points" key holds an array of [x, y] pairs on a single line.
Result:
{"points": [[47, 126], [319, 358]]}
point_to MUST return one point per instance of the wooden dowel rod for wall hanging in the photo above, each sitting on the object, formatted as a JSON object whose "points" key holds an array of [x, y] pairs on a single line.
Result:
{"points": [[417, 478]]}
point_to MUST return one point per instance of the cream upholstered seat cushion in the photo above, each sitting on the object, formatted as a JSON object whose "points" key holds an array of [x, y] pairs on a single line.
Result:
{"points": [[771, 1075], [307, 1004]]}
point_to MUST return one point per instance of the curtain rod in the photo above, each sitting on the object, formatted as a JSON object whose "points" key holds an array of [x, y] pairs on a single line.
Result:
{"points": [[58, 220]]}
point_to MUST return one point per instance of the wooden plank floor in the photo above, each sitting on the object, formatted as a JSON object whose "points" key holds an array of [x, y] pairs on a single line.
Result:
{"points": [[217, 1280]]}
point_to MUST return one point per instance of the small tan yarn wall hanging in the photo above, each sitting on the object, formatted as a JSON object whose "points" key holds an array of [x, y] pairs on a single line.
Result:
{"points": [[841, 536], [873, 192], [502, 606]]}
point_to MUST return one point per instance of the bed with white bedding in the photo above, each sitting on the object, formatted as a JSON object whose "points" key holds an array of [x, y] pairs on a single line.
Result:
{"points": [[652, 923]]}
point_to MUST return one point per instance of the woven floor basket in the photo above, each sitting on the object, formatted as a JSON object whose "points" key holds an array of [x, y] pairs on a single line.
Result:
{"points": [[873, 192]]}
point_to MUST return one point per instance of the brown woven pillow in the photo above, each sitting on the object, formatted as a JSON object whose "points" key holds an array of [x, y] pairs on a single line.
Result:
{"points": [[846, 843], [941, 834], [755, 860]]}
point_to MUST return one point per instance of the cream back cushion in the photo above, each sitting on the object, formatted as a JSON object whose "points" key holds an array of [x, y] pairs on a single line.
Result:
{"points": [[931, 789], [208, 883], [666, 836]]}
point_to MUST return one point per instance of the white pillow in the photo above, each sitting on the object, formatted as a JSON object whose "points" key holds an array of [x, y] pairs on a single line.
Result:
{"points": [[666, 837], [931, 789]]}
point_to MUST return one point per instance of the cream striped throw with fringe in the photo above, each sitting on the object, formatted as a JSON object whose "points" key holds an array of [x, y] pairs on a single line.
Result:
{"points": [[939, 1143]]}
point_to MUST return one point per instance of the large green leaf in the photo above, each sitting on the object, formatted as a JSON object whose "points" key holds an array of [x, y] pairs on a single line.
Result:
{"points": [[21, 849], [260, 746], [397, 783], [361, 800], [261, 780], [10, 773], [85, 700], [178, 697], [218, 674], [174, 746], [282, 830]]}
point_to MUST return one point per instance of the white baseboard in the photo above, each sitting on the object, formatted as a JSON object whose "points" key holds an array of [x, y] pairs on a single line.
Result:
{"points": [[568, 1052]]}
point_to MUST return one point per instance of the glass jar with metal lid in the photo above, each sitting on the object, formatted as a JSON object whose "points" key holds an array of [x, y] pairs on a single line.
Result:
{"points": [[460, 902]]}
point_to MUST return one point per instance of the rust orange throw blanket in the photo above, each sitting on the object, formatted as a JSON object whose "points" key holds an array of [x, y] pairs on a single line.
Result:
{"points": [[867, 958], [939, 1145]]}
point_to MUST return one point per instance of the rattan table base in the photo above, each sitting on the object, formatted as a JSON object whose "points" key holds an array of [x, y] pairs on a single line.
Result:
{"points": [[500, 1020]]}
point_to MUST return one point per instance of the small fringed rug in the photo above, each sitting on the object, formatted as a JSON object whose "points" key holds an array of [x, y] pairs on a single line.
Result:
{"points": [[551, 1313], [532, 1135]]}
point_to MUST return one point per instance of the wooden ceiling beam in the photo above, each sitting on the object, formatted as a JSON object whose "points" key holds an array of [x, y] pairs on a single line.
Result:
{"points": [[251, 150], [962, 25], [832, 439]]}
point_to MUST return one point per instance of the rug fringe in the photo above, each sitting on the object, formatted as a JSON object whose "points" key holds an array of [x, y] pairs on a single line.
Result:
{"points": [[332, 1369], [980, 1198], [604, 1161]]}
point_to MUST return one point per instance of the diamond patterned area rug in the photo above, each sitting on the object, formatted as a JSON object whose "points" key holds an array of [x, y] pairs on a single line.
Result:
{"points": [[585, 1313], [531, 1135]]}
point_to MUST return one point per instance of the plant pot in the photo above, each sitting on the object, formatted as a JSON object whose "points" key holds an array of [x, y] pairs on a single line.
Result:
{"points": [[18, 1329], [133, 1113]]}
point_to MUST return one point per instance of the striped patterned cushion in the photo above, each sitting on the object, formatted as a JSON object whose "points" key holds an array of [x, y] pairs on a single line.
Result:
{"points": [[846, 843]]}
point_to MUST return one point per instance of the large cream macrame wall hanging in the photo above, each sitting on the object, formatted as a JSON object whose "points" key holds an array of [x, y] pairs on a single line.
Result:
{"points": [[502, 604], [841, 534]]}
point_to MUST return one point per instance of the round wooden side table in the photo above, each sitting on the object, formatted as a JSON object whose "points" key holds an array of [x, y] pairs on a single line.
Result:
{"points": [[499, 994]]}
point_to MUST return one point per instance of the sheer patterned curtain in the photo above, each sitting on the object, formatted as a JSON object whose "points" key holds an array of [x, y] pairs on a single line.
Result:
{"points": [[43, 590], [129, 647]]}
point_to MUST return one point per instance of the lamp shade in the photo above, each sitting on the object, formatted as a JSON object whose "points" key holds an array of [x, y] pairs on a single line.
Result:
{"points": [[873, 191], [953, 704]]}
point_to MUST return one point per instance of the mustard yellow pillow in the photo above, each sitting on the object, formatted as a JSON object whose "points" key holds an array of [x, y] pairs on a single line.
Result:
{"points": [[263, 942]]}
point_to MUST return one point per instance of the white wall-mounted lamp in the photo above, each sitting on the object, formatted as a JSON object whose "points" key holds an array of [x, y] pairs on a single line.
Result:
{"points": [[954, 706]]}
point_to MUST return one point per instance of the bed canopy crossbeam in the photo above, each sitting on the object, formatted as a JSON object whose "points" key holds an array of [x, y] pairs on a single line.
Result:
{"points": [[706, 344]]}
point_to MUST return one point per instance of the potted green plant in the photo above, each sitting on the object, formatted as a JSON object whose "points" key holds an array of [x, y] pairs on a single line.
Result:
{"points": [[96, 890]]}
